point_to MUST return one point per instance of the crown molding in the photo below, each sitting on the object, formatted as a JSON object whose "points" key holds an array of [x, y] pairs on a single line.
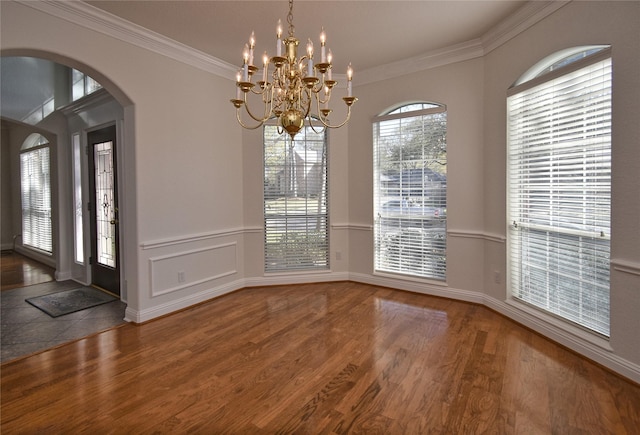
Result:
{"points": [[522, 19], [95, 19], [525, 17], [448, 55]]}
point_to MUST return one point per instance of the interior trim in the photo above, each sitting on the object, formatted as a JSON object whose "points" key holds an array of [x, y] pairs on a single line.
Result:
{"points": [[95, 19], [626, 266]]}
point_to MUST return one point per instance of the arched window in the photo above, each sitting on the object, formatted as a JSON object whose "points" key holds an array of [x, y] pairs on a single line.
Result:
{"points": [[559, 186], [36, 193], [410, 190], [295, 200]]}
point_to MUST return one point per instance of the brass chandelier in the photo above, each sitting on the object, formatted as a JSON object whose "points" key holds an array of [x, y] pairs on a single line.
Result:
{"points": [[294, 86]]}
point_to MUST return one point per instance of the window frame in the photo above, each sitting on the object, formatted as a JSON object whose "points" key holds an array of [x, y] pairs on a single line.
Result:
{"points": [[40, 238], [559, 233], [404, 236], [290, 253]]}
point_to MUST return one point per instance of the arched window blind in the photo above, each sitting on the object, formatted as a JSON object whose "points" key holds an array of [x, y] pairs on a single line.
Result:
{"points": [[410, 191], [35, 189], [559, 175], [296, 214]]}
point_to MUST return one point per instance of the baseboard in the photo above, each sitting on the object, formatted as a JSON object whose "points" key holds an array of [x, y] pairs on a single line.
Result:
{"points": [[141, 316], [135, 316], [296, 278], [418, 287], [63, 276], [600, 353]]}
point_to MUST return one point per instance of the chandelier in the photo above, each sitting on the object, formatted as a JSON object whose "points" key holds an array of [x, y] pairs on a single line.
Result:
{"points": [[297, 89]]}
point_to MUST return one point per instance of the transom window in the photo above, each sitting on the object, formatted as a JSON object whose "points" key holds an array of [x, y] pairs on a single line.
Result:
{"points": [[559, 174], [410, 190], [295, 200]]}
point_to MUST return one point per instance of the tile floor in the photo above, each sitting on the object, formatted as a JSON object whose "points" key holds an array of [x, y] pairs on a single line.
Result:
{"points": [[27, 330]]}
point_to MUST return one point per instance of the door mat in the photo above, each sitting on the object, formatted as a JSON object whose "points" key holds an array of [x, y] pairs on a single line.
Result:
{"points": [[70, 301]]}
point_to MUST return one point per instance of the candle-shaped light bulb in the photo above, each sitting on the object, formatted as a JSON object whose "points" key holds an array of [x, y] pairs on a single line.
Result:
{"points": [[323, 50], [326, 97], [329, 59], [265, 63], [252, 44], [310, 55], [238, 78], [245, 65], [279, 41], [309, 48], [349, 82], [245, 54]]}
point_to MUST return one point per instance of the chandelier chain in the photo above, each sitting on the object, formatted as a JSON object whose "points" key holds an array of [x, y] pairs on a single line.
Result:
{"points": [[292, 29]]}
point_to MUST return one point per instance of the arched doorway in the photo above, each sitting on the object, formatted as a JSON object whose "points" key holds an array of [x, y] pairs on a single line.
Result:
{"points": [[69, 126]]}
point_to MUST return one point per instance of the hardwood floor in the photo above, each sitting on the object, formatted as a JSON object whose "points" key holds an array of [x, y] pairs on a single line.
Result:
{"points": [[19, 271], [319, 358]]}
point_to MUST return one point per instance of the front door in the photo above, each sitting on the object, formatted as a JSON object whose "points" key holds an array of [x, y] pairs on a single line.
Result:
{"points": [[103, 208]]}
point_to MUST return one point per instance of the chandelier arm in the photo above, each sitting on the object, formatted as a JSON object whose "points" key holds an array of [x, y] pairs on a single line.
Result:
{"points": [[248, 127], [312, 127], [268, 107], [262, 90], [309, 99], [326, 124], [327, 98]]}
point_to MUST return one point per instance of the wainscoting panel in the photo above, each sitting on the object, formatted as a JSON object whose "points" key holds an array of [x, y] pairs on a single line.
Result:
{"points": [[180, 270]]}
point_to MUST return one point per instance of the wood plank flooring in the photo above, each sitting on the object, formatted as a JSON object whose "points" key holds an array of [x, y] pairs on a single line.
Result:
{"points": [[331, 358], [19, 271]]}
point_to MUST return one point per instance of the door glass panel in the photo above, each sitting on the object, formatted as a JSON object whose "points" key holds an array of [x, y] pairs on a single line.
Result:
{"points": [[77, 200], [106, 213]]}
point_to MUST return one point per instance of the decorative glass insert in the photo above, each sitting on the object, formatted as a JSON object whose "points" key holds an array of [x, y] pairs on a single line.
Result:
{"points": [[105, 208]]}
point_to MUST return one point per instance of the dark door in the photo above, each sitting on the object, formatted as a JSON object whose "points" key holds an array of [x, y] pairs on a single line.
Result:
{"points": [[103, 208]]}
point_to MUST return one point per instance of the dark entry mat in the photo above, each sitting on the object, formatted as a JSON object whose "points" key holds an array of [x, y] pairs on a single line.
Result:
{"points": [[70, 301]]}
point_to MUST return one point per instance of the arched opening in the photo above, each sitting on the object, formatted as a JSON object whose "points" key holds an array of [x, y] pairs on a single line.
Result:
{"points": [[68, 123]]}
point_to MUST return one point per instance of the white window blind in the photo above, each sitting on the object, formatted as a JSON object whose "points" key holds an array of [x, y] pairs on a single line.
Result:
{"points": [[295, 200], [559, 134], [410, 191], [36, 195]]}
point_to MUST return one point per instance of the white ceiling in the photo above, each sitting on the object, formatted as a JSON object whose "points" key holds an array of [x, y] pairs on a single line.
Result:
{"points": [[365, 33]]}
